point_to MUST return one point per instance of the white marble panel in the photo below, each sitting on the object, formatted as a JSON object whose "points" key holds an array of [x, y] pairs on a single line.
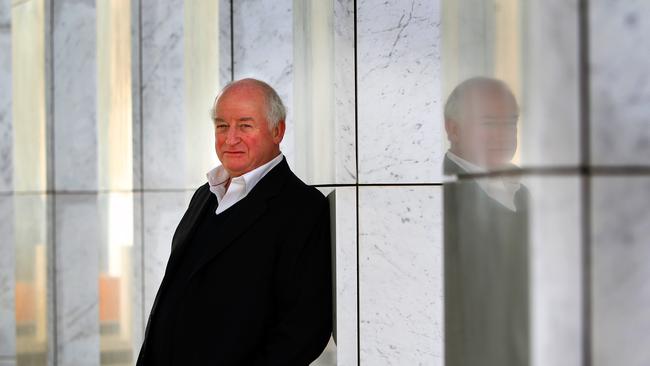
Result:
{"points": [[162, 105], [263, 49], [620, 82], [136, 94], [76, 264], [555, 271], [621, 268], [5, 13], [225, 43], [550, 105], [162, 213], [399, 101], [74, 94], [344, 240], [6, 136], [7, 278], [139, 321], [400, 275], [345, 165]]}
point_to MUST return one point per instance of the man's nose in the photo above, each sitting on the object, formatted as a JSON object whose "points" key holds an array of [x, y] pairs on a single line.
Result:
{"points": [[232, 136]]}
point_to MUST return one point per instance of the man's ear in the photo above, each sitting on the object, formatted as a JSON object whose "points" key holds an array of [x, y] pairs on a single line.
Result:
{"points": [[451, 126], [278, 132]]}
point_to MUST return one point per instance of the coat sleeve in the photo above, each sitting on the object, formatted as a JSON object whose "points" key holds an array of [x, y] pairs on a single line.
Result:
{"points": [[304, 323]]}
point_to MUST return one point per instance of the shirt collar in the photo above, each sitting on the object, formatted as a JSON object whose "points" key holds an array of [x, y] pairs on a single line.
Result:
{"points": [[218, 177]]}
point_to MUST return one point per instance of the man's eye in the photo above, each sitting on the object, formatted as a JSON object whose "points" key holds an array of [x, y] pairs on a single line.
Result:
{"points": [[222, 127], [245, 125]]}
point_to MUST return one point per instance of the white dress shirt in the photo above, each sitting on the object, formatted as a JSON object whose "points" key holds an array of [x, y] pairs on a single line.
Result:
{"points": [[500, 189], [239, 187]]}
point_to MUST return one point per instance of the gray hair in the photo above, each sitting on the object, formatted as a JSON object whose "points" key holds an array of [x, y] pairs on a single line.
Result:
{"points": [[456, 101], [275, 110]]}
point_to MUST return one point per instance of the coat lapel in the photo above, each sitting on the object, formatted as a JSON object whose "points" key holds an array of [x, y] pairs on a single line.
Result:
{"points": [[248, 211]]}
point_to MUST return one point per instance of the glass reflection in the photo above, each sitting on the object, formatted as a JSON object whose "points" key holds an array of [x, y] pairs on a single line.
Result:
{"points": [[486, 230]]}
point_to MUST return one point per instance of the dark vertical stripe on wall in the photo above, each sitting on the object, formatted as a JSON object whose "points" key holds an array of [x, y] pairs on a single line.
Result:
{"points": [[585, 161], [51, 183], [232, 41], [356, 189]]}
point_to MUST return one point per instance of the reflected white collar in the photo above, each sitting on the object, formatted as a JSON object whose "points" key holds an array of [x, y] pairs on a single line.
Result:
{"points": [[500, 189]]}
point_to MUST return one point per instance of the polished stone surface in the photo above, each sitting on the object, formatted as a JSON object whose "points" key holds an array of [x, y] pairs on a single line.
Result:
{"points": [[344, 238], [7, 278], [620, 271], [74, 95], [555, 236], [399, 102], [163, 108], [620, 82], [263, 45], [76, 263], [345, 168], [549, 124], [6, 135], [400, 275]]}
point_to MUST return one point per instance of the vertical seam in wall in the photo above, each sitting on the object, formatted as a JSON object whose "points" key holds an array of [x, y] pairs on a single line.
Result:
{"points": [[232, 41], [356, 189], [50, 101], [586, 196], [142, 227]]}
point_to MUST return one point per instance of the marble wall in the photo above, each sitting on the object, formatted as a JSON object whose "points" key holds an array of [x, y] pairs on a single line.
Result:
{"points": [[7, 260], [364, 83]]}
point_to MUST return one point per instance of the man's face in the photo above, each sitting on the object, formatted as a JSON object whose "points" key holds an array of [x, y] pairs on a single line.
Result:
{"points": [[487, 132], [243, 139]]}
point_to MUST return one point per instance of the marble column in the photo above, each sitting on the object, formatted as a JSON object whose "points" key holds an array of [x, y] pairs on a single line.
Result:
{"points": [[400, 276], [399, 101], [74, 250], [263, 49], [400, 141], [344, 255], [619, 42], [7, 260]]}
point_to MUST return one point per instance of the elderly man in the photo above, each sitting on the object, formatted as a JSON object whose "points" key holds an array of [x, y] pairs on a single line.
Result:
{"points": [[486, 244], [248, 281]]}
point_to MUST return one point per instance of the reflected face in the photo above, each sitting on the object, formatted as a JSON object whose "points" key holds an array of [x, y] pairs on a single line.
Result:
{"points": [[243, 139], [486, 135]]}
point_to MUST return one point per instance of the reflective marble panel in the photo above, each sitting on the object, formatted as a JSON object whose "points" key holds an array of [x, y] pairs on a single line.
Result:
{"points": [[400, 275], [621, 268], [399, 102], [620, 82]]}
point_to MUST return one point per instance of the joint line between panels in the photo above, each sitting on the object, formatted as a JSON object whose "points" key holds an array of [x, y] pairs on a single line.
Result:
{"points": [[585, 160]]}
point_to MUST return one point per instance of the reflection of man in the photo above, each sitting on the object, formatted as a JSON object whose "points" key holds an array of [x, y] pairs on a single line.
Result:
{"points": [[486, 254], [248, 281]]}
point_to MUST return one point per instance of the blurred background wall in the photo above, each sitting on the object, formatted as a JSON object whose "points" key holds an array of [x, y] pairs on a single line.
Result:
{"points": [[105, 134]]}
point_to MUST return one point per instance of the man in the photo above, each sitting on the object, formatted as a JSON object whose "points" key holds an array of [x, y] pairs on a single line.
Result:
{"points": [[486, 249], [248, 281]]}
